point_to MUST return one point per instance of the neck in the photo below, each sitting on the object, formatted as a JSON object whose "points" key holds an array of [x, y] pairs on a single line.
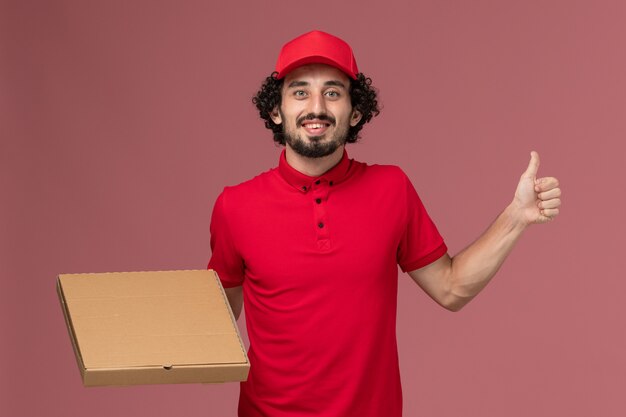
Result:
{"points": [[313, 167]]}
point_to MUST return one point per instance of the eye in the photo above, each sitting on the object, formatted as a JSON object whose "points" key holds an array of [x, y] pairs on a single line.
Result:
{"points": [[299, 93], [332, 93]]}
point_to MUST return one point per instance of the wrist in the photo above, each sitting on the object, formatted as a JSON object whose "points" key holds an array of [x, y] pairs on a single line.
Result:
{"points": [[515, 217]]}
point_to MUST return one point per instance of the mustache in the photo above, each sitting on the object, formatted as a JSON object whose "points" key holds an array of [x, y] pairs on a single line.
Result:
{"points": [[313, 116]]}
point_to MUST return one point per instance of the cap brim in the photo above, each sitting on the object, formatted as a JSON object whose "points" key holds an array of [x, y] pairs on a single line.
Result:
{"points": [[315, 60]]}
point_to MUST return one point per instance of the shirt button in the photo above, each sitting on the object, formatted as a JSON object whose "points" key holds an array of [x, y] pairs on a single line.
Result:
{"points": [[304, 188], [330, 183], [318, 200], [317, 182], [320, 225]]}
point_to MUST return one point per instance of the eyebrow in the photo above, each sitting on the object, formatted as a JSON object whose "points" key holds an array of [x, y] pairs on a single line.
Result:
{"points": [[333, 83], [297, 84]]}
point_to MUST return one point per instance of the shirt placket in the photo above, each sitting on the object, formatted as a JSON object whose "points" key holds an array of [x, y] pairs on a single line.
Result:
{"points": [[320, 191]]}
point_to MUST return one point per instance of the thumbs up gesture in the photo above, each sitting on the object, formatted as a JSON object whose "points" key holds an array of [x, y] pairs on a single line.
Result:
{"points": [[537, 200]]}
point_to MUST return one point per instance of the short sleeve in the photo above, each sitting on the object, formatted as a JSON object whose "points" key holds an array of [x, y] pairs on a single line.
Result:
{"points": [[225, 259], [421, 243]]}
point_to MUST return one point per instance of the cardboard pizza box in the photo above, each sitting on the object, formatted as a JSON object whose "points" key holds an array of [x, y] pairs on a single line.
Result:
{"points": [[162, 327]]}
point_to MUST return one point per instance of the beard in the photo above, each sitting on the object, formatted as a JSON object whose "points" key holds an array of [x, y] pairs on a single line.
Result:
{"points": [[315, 146]]}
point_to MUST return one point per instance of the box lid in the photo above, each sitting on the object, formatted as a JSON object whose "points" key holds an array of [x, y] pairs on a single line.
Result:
{"points": [[163, 319]]}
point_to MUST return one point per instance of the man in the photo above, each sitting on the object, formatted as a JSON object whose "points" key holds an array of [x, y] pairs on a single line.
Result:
{"points": [[311, 248]]}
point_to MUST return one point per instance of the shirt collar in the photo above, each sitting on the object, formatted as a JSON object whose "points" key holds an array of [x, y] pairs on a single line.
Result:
{"points": [[303, 182]]}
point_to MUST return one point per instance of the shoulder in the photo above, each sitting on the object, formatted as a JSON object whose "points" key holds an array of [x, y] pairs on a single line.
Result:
{"points": [[388, 170], [388, 175], [249, 188]]}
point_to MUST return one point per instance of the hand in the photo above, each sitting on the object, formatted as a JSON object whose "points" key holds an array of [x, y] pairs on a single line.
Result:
{"points": [[537, 200]]}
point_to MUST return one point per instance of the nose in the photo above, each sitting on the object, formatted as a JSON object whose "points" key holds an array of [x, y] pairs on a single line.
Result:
{"points": [[318, 104]]}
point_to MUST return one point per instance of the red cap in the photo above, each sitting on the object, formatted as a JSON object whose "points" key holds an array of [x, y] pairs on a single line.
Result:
{"points": [[316, 47]]}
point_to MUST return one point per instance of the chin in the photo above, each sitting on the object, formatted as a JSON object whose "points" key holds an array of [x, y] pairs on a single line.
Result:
{"points": [[316, 138]]}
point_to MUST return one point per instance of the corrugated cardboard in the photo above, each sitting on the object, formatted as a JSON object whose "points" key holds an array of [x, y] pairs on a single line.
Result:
{"points": [[163, 327]]}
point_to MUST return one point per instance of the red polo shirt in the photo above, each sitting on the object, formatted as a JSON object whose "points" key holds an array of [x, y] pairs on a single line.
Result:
{"points": [[317, 258]]}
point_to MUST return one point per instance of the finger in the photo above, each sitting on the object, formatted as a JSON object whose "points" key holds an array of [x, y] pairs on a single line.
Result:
{"points": [[546, 183], [550, 212], [550, 204], [533, 165], [553, 193]]}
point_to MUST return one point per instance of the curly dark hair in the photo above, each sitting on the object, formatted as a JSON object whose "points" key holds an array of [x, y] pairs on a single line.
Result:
{"points": [[362, 95]]}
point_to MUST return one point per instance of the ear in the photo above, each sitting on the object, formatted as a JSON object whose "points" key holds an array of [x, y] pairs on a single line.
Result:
{"points": [[355, 118], [275, 115]]}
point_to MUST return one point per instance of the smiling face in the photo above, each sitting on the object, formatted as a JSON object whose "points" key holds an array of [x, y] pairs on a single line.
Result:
{"points": [[315, 110]]}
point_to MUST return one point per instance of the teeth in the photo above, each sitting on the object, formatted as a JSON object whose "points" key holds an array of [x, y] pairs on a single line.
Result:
{"points": [[314, 125]]}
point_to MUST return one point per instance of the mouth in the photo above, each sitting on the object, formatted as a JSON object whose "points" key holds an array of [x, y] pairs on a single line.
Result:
{"points": [[315, 127]]}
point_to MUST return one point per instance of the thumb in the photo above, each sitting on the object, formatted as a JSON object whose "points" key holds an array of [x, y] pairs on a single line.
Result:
{"points": [[533, 166]]}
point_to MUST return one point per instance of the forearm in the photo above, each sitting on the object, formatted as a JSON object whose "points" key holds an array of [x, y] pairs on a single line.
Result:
{"points": [[453, 282], [472, 269], [235, 299]]}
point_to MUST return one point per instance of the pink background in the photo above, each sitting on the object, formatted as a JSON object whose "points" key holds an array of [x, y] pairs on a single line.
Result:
{"points": [[121, 121]]}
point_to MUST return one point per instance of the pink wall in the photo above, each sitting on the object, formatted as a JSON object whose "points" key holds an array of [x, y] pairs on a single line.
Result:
{"points": [[121, 121]]}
